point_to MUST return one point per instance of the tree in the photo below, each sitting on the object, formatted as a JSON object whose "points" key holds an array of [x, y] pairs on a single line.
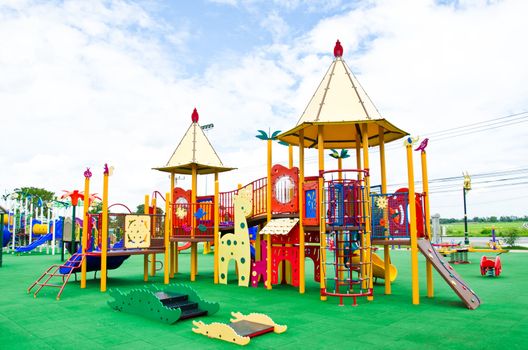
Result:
{"points": [[140, 209], [38, 196], [510, 235], [96, 207]]}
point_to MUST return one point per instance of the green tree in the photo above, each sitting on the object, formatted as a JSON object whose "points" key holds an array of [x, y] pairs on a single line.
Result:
{"points": [[510, 235], [140, 209], [96, 207], [38, 196]]}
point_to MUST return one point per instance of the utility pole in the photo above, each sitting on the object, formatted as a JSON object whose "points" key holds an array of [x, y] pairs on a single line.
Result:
{"points": [[466, 188]]}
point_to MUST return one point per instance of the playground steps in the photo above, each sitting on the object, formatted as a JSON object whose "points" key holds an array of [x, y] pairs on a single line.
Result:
{"points": [[181, 301], [461, 288], [175, 302], [55, 271]]}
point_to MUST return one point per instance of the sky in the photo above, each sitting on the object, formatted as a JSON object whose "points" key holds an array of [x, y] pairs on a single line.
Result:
{"points": [[84, 83]]}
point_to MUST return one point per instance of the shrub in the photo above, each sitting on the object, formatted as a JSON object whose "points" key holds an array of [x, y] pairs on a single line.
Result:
{"points": [[510, 235], [485, 231]]}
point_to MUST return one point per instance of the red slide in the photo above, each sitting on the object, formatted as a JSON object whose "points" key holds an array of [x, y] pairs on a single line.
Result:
{"points": [[187, 245]]}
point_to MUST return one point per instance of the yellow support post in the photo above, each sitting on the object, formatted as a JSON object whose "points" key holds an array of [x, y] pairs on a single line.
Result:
{"points": [[322, 220], [290, 156], [84, 243], [427, 217], [367, 210], [287, 268], [412, 220], [194, 248], [166, 240], [145, 257], [104, 231], [302, 283], [154, 222], [383, 171], [216, 226], [171, 232], [268, 215]]}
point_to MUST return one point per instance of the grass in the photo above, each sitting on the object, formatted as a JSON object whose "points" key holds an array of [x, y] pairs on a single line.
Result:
{"points": [[81, 319], [475, 228]]}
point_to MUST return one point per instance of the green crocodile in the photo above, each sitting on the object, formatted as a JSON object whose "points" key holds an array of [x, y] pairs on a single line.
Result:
{"points": [[168, 305]]}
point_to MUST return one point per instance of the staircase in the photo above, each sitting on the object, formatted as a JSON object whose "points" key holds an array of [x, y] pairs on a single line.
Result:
{"points": [[181, 301], [54, 271]]}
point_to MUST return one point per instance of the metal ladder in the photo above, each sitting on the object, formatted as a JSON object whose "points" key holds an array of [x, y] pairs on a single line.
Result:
{"points": [[54, 271]]}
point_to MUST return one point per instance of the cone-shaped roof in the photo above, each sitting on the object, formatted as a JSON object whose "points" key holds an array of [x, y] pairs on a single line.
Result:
{"points": [[194, 148], [341, 104]]}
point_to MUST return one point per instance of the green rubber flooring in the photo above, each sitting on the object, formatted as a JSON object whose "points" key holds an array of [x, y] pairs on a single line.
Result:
{"points": [[82, 319]]}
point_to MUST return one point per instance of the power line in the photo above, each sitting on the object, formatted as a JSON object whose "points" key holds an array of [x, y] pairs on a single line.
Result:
{"points": [[474, 176], [483, 187], [508, 120], [494, 121]]}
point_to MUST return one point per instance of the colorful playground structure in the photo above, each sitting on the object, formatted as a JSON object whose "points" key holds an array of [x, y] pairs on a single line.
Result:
{"points": [[334, 217]]}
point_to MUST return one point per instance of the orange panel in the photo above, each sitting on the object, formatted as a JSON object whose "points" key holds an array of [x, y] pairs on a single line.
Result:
{"points": [[285, 189]]}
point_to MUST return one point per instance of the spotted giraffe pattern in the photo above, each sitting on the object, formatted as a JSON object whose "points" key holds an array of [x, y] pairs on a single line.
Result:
{"points": [[236, 245]]}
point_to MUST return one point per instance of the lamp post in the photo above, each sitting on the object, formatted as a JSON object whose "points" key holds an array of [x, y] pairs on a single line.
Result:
{"points": [[466, 188]]}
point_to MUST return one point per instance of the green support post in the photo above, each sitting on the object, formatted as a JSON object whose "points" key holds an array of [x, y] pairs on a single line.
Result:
{"points": [[1, 236], [72, 242]]}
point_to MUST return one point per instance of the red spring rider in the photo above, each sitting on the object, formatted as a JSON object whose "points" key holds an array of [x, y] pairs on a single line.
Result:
{"points": [[490, 267]]}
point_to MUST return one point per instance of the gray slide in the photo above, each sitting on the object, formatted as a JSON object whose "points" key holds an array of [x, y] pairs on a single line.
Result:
{"points": [[465, 293]]}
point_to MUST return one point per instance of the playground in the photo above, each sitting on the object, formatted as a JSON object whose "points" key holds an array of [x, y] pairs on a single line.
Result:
{"points": [[82, 317], [322, 260]]}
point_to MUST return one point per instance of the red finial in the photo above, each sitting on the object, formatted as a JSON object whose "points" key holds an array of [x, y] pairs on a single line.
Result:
{"points": [[194, 116], [338, 49]]}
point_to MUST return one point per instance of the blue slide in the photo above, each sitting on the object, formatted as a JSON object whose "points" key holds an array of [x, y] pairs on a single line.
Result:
{"points": [[7, 237], [43, 239]]}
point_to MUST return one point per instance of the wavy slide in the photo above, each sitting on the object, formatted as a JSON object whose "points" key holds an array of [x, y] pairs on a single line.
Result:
{"points": [[43, 239], [378, 267]]}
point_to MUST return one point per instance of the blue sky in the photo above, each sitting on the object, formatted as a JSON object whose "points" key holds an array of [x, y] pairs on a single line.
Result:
{"points": [[89, 82]]}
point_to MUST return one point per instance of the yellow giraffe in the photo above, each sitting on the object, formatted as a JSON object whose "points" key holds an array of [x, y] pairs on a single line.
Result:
{"points": [[236, 245]]}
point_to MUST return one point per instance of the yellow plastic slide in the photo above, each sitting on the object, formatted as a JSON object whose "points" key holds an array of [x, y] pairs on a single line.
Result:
{"points": [[378, 266]]}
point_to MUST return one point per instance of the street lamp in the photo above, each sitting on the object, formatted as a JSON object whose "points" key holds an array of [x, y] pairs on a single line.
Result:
{"points": [[466, 188]]}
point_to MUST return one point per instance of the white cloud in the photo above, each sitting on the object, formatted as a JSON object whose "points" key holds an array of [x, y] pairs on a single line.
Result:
{"points": [[276, 25], [86, 83]]}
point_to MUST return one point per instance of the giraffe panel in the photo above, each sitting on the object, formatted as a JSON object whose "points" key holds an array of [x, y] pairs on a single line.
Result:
{"points": [[236, 245]]}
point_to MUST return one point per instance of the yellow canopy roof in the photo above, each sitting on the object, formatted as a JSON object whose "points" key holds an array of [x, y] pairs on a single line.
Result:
{"points": [[194, 148], [342, 134], [342, 106]]}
